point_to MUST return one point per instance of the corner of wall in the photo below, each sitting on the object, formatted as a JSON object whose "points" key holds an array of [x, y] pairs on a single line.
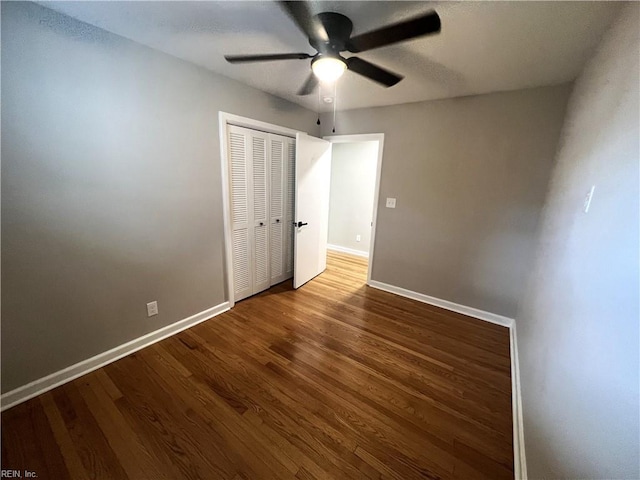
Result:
{"points": [[519, 453]]}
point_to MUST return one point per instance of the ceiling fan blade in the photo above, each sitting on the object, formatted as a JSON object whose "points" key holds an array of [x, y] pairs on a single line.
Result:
{"points": [[417, 27], [373, 72], [266, 58], [304, 18], [309, 85]]}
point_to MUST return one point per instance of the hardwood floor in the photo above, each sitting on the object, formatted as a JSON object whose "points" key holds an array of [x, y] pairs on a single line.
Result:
{"points": [[335, 380]]}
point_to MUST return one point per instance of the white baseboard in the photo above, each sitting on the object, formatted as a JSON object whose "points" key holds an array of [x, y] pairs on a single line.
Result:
{"points": [[519, 457], [352, 251], [42, 385], [446, 304]]}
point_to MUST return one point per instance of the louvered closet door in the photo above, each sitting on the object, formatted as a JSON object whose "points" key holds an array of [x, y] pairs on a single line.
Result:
{"points": [[289, 198], [241, 224], [277, 226], [262, 193], [261, 201]]}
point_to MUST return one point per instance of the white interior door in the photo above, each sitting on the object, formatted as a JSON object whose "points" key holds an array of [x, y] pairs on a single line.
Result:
{"points": [[313, 180]]}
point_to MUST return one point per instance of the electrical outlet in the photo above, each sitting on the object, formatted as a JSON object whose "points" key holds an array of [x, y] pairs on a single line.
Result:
{"points": [[391, 203], [358, 238], [152, 309]]}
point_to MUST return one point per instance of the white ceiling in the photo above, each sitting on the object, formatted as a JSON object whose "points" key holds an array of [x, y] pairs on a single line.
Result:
{"points": [[483, 47]]}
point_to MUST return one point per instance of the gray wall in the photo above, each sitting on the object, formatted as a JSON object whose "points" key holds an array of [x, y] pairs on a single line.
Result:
{"points": [[111, 191], [578, 326], [470, 176], [353, 182]]}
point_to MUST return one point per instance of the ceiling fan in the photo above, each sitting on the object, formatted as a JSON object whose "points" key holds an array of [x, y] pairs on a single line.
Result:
{"points": [[329, 33]]}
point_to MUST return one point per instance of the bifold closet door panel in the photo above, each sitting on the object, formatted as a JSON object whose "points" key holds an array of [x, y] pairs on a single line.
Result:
{"points": [[289, 196], [261, 202], [278, 148], [241, 233]]}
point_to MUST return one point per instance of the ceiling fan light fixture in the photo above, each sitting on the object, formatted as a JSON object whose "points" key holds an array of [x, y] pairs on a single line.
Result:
{"points": [[328, 69]]}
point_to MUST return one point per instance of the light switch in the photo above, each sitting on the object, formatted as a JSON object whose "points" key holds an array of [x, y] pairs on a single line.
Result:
{"points": [[391, 202]]}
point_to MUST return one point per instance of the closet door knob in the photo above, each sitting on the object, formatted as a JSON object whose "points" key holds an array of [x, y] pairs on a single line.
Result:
{"points": [[261, 224]]}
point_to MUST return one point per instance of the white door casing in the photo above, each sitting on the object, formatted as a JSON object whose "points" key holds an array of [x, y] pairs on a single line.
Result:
{"points": [[312, 187]]}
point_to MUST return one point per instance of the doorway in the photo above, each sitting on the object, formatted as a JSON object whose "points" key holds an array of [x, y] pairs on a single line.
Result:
{"points": [[355, 179]]}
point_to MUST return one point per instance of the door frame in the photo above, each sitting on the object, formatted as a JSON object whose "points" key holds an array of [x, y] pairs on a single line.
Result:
{"points": [[367, 137], [224, 120]]}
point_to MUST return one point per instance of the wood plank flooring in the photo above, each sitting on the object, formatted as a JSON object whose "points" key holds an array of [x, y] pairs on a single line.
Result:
{"points": [[334, 381]]}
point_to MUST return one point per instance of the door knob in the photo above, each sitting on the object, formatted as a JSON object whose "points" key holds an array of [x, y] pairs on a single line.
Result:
{"points": [[301, 224]]}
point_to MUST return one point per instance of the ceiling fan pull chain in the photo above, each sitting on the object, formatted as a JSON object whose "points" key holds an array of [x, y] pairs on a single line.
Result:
{"points": [[335, 101], [318, 122]]}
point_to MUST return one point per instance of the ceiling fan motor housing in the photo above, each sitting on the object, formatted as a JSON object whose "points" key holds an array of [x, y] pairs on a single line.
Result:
{"points": [[338, 29]]}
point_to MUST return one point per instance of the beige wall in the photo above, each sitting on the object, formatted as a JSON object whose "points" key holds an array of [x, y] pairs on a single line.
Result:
{"points": [[578, 328], [469, 175], [111, 191], [353, 182]]}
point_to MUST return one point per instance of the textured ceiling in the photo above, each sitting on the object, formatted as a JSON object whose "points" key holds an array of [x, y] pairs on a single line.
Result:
{"points": [[483, 47]]}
